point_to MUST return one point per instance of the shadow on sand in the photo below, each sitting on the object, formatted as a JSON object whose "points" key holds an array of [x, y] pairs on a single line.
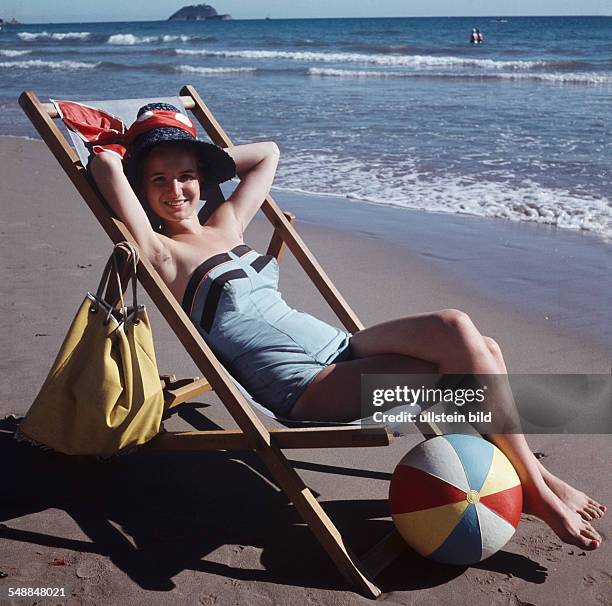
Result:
{"points": [[175, 508]]}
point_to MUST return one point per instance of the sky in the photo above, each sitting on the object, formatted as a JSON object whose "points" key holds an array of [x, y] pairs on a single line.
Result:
{"points": [[58, 11]]}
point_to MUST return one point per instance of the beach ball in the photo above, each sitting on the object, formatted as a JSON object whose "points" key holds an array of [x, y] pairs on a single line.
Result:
{"points": [[455, 499]]}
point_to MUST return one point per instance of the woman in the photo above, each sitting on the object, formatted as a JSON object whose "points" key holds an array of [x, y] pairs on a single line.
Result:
{"points": [[292, 362]]}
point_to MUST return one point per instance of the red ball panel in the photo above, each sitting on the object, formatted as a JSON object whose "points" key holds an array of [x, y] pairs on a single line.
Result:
{"points": [[506, 503], [413, 490]]}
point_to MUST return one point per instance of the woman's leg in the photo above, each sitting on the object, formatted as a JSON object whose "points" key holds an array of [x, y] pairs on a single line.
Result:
{"points": [[335, 393], [445, 342], [575, 499]]}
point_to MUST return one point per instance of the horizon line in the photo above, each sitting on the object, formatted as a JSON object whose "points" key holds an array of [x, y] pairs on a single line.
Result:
{"points": [[270, 18]]}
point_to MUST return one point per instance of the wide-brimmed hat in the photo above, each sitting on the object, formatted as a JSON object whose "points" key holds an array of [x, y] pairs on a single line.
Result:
{"points": [[163, 123]]}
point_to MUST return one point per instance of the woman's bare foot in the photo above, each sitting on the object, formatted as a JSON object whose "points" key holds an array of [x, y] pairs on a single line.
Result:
{"points": [[575, 499], [570, 527]]}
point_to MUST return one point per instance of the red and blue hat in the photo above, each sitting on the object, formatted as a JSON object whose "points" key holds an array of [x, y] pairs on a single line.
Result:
{"points": [[158, 123]]}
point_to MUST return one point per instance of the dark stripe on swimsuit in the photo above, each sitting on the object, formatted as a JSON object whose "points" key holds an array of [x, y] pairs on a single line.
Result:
{"points": [[198, 274], [241, 250], [203, 269], [214, 293], [261, 262]]}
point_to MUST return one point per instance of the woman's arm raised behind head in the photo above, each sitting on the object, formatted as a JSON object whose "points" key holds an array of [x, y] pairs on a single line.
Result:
{"points": [[107, 171], [256, 166]]}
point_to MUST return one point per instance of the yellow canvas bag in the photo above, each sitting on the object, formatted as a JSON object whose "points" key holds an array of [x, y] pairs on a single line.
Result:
{"points": [[103, 392]]}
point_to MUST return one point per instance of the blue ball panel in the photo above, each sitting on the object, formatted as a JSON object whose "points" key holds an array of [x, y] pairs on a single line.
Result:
{"points": [[476, 455], [463, 545]]}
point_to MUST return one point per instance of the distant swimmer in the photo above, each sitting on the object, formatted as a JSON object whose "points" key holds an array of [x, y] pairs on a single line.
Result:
{"points": [[476, 37]]}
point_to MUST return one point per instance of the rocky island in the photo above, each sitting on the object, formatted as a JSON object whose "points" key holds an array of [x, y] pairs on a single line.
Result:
{"points": [[198, 12]]}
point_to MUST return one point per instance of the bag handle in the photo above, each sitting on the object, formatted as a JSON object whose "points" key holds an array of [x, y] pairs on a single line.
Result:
{"points": [[112, 266], [134, 257]]}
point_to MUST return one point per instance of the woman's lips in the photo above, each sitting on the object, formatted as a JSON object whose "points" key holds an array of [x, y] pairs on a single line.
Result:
{"points": [[175, 203]]}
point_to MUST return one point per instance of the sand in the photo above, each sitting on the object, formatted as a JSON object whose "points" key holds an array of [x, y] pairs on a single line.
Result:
{"points": [[211, 528]]}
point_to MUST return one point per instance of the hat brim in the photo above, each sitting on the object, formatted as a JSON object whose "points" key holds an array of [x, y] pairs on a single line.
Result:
{"points": [[216, 165]]}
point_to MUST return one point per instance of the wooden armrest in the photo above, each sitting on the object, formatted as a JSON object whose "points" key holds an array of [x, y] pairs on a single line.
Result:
{"points": [[277, 246], [177, 392], [167, 379]]}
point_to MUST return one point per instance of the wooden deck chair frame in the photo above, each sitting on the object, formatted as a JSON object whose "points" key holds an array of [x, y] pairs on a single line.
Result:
{"points": [[252, 434]]}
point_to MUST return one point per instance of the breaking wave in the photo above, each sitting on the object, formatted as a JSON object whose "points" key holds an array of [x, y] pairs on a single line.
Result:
{"points": [[13, 53], [40, 64], [131, 39], [206, 71], [449, 194], [388, 60], [555, 78], [31, 36]]}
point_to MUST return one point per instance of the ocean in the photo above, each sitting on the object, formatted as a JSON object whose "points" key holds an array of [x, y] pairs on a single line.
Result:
{"points": [[402, 112]]}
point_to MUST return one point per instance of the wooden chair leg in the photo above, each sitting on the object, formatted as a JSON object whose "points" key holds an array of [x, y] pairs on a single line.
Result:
{"points": [[317, 520]]}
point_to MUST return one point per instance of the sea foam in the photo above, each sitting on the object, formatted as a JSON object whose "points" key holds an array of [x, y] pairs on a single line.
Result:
{"points": [[374, 59], [592, 78], [131, 39], [211, 71], [527, 201], [31, 36], [39, 64], [13, 53]]}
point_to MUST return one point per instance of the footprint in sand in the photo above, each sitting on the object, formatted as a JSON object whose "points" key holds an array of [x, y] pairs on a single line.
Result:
{"points": [[510, 599], [599, 584], [90, 569]]}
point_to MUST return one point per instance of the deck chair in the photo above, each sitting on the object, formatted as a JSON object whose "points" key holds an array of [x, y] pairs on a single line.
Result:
{"points": [[252, 434]]}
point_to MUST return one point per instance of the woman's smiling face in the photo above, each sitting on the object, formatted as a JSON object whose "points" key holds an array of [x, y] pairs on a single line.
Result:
{"points": [[171, 182]]}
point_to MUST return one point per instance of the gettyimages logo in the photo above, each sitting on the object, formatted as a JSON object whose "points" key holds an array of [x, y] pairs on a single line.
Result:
{"points": [[423, 397], [426, 395], [490, 403]]}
